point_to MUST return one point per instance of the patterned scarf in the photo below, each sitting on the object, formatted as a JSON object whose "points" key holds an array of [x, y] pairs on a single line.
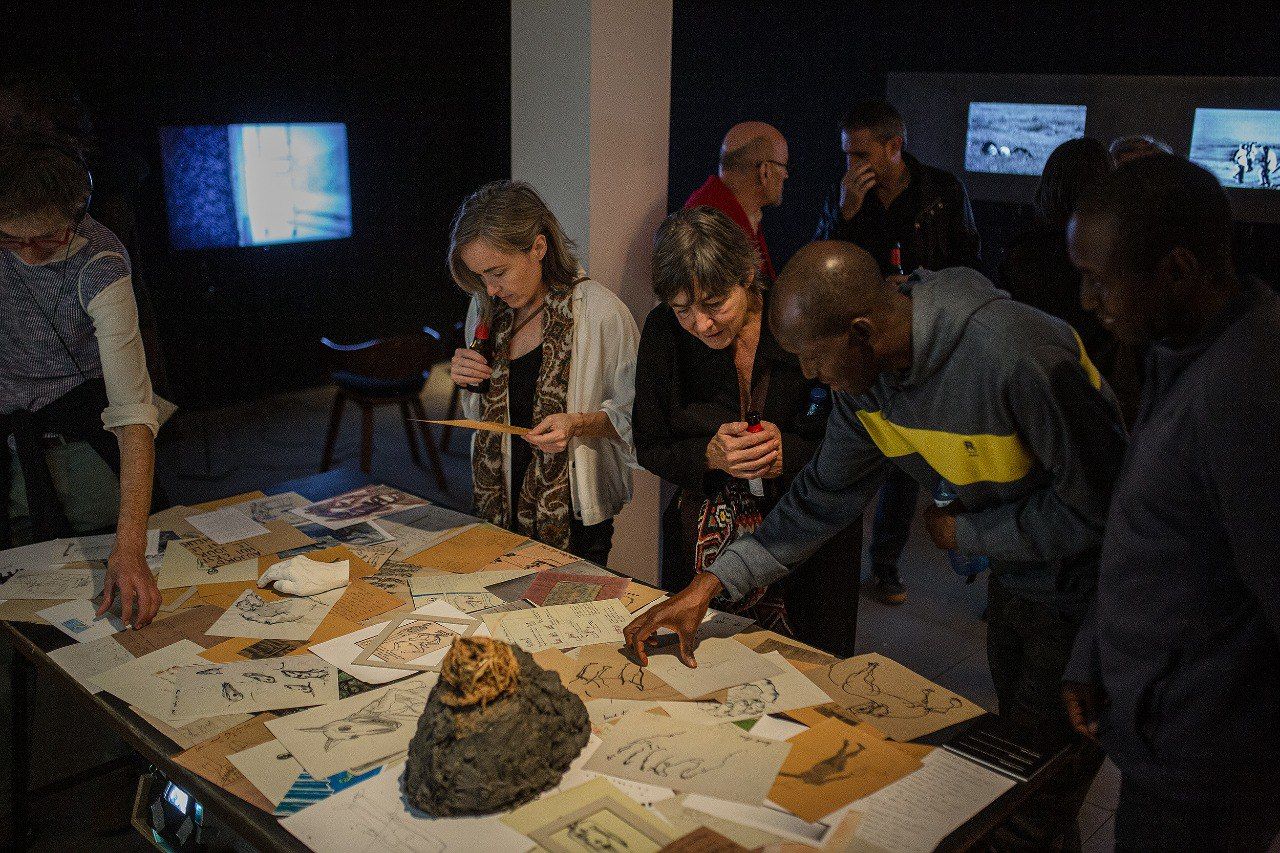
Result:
{"points": [[542, 506]]}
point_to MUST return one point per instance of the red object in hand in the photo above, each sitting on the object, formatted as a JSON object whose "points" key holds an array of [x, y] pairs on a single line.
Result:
{"points": [[753, 422], [895, 259], [480, 343]]}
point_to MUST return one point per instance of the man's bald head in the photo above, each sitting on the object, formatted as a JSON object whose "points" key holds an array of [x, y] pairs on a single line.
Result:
{"points": [[749, 143], [822, 289]]}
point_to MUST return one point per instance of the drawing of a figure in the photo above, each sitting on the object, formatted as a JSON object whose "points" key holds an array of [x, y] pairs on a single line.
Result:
{"points": [[879, 703], [382, 716], [593, 836], [829, 769], [415, 640], [254, 608]]}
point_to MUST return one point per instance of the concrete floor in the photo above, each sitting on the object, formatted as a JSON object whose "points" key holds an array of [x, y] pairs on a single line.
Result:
{"points": [[938, 631]]}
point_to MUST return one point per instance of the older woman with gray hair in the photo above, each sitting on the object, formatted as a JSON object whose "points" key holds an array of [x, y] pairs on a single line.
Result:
{"points": [[722, 412], [562, 361]]}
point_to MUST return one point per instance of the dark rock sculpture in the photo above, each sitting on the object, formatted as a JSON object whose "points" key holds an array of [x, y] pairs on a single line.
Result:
{"points": [[497, 731]]}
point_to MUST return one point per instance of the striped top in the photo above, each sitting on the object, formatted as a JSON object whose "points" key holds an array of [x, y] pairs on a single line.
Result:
{"points": [[50, 343]]}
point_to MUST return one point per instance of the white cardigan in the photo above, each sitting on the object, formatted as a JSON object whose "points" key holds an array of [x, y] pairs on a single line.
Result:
{"points": [[602, 376]]}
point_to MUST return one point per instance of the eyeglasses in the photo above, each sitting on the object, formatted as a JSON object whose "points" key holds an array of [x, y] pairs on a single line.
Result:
{"points": [[42, 244], [785, 167]]}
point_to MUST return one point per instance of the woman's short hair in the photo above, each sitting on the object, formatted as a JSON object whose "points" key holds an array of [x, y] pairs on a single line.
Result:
{"points": [[38, 172], [509, 215], [700, 251]]}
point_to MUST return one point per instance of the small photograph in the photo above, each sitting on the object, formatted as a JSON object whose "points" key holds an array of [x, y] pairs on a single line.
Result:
{"points": [[1017, 139], [1240, 147]]}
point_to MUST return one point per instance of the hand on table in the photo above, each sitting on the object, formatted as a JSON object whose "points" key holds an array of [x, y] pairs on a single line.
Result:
{"points": [[941, 526], [682, 613], [1084, 706], [746, 455], [552, 433], [129, 579], [468, 367]]}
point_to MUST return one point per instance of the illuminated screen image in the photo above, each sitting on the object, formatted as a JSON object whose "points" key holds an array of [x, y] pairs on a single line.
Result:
{"points": [[1017, 139], [1240, 147], [256, 184]]}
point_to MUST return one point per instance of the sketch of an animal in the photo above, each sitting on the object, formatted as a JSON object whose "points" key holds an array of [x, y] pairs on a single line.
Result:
{"points": [[230, 693], [658, 756], [254, 608], [600, 676], [593, 836], [261, 678], [382, 716], [306, 674], [829, 769], [861, 682]]}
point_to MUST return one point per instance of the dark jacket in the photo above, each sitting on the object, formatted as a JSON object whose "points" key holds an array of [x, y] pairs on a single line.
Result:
{"points": [[937, 232], [1002, 402], [1184, 633]]}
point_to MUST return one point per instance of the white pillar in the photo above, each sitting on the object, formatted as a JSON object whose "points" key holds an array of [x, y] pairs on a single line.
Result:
{"points": [[590, 117]]}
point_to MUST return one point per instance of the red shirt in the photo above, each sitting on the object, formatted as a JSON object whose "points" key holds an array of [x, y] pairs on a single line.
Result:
{"points": [[716, 193]]}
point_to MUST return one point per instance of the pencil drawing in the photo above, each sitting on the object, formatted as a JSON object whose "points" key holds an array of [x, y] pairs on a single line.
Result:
{"points": [[829, 769]]}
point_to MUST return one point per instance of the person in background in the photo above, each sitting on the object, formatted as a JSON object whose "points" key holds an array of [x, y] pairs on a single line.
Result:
{"points": [[1126, 149], [1177, 668], [947, 378], [707, 358], [563, 361], [753, 168], [1037, 270], [886, 199], [71, 356]]}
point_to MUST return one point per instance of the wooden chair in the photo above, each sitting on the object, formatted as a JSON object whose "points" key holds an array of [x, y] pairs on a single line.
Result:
{"points": [[383, 372]]}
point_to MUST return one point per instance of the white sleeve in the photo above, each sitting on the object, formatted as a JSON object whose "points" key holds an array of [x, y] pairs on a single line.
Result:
{"points": [[124, 363], [470, 401], [621, 340]]}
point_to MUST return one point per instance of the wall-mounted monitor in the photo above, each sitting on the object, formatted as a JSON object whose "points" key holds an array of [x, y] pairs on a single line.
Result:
{"points": [[1017, 139], [1240, 147], [255, 184]]}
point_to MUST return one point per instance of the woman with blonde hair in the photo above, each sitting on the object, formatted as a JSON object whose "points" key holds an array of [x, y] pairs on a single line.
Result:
{"points": [[563, 362]]}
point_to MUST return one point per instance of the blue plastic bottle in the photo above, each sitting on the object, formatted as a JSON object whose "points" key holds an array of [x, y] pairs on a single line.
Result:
{"points": [[966, 567]]}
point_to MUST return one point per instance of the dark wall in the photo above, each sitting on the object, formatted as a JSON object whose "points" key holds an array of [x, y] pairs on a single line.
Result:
{"points": [[424, 89], [797, 65]]}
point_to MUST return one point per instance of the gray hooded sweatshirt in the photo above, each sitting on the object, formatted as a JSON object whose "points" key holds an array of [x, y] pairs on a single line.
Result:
{"points": [[1000, 400]]}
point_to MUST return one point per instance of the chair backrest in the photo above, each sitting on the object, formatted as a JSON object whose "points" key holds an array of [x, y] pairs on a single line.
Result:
{"points": [[395, 358]]}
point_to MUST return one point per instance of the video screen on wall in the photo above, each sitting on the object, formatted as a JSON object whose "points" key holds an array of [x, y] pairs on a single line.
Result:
{"points": [[1016, 139], [1240, 147], [255, 184]]}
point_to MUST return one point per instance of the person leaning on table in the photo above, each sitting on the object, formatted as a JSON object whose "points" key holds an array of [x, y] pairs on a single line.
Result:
{"points": [[71, 355], [564, 360], [945, 376], [707, 357]]}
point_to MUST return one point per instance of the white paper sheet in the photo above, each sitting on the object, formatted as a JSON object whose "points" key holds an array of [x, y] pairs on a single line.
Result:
{"points": [[76, 619], [227, 525], [53, 583], [149, 681], [356, 731], [372, 817], [768, 817], [269, 767], [562, 626], [90, 548], [786, 691], [719, 761], [721, 663], [85, 661], [255, 615], [919, 810], [247, 687], [342, 651], [272, 507]]}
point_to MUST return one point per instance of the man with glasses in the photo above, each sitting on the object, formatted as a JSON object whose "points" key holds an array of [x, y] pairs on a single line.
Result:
{"points": [[906, 215], [753, 167], [71, 357]]}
